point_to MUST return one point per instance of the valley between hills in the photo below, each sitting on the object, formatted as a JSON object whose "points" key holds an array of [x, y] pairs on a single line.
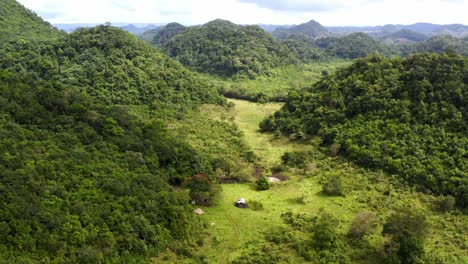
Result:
{"points": [[135, 145]]}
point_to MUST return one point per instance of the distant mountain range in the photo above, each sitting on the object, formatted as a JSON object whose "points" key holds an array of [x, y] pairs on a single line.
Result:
{"points": [[456, 30], [311, 28], [134, 28]]}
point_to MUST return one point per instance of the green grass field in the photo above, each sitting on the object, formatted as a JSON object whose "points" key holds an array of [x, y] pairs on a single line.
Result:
{"points": [[280, 80], [233, 231]]}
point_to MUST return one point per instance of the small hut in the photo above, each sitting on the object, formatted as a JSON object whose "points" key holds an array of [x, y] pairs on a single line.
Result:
{"points": [[241, 203]]}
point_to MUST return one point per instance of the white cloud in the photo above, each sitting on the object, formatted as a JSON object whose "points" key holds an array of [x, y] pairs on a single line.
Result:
{"points": [[331, 13]]}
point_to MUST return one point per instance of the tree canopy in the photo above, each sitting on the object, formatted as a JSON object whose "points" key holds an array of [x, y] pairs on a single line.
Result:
{"points": [[406, 116], [223, 48], [18, 22]]}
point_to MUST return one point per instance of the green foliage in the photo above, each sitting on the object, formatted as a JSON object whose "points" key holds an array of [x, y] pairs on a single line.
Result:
{"points": [[364, 222], [303, 47], [297, 159], [333, 186], [202, 190], [226, 49], [265, 254], [446, 203], [407, 229], [279, 82], [163, 34], [356, 45], [17, 22], [113, 66], [406, 116], [84, 182], [438, 44], [262, 183], [311, 29], [255, 205], [404, 36]]}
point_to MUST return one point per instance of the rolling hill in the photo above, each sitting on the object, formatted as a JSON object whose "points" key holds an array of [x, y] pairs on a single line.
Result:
{"points": [[223, 48], [355, 45], [312, 29], [111, 65], [17, 22], [406, 116]]}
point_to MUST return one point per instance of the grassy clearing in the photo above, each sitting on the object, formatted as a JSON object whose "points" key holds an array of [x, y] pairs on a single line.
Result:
{"points": [[232, 231], [279, 82], [268, 149]]}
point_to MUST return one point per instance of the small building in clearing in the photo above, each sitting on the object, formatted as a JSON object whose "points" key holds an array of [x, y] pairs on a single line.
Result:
{"points": [[241, 203]]}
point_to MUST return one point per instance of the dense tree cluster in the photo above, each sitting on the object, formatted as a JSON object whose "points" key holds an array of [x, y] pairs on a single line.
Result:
{"points": [[82, 181], [19, 22], [404, 36], [311, 29], [86, 177], [303, 47], [438, 44], [223, 48], [111, 65], [407, 116], [356, 45], [165, 33]]}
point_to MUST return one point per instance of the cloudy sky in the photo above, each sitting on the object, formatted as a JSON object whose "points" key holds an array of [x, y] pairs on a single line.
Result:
{"points": [[190, 12]]}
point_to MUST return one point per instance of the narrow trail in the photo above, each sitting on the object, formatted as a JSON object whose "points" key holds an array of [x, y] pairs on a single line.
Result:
{"points": [[231, 245]]}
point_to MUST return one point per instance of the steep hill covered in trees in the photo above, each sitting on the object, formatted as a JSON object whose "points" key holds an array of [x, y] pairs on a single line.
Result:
{"points": [[438, 44], [356, 45], [223, 48], [18, 22], [312, 29], [406, 116], [85, 176], [82, 182], [303, 47], [111, 65], [403, 36], [162, 34]]}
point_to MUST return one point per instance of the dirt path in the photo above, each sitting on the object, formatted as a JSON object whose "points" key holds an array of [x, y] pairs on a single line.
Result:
{"points": [[234, 242]]}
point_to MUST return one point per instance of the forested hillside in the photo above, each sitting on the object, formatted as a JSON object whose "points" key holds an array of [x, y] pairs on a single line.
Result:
{"points": [[406, 116], [161, 35], [311, 29], [404, 36], [356, 45], [303, 47], [83, 182], [438, 44], [18, 22], [223, 48], [111, 65], [85, 174]]}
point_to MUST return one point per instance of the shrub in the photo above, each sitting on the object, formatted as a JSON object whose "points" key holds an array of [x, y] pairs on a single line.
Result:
{"points": [[256, 205], [363, 223], [333, 186], [446, 203], [262, 184]]}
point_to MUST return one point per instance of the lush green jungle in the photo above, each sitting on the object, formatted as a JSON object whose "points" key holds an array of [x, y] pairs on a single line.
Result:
{"points": [[116, 148]]}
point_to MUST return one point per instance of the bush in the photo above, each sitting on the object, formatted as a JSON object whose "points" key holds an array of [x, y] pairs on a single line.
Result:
{"points": [[333, 186], [295, 159], [446, 203], [263, 184], [256, 205], [363, 223]]}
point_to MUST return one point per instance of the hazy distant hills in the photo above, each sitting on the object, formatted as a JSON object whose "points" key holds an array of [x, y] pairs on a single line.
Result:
{"points": [[136, 28], [456, 30], [404, 36]]}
